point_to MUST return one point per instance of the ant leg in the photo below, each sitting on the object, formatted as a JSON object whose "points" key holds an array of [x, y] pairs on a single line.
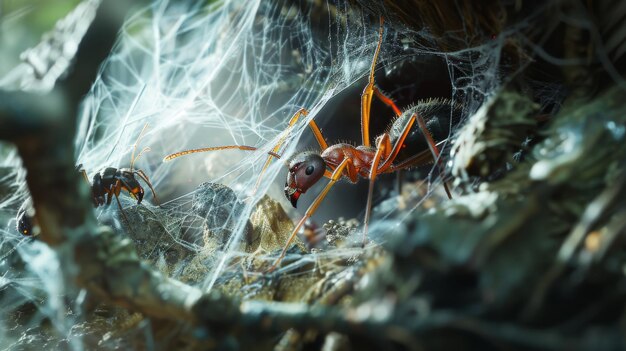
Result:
{"points": [[337, 173], [398, 145], [415, 160], [318, 135], [274, 151], [366, 96], [387, 100], [383, 143], [431, 145], [119, 204], [433, 149], [144, 176]]}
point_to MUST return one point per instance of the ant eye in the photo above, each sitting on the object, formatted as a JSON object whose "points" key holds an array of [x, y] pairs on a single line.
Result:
{"points": [[309, 170]]}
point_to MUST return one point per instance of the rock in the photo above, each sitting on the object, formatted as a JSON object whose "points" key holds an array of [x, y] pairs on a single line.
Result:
{"points": [[152, 241], [272, 227], [214, 213]]}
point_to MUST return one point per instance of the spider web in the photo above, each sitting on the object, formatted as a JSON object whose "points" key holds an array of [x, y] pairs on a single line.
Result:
{"points": [[224, 74], [202, 74]]}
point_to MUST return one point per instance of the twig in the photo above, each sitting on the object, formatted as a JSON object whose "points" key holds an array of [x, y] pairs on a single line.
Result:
{"points": [[43, 129]]}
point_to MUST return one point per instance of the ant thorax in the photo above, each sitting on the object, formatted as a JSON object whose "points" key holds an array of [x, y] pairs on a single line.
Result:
{"points": [[361, 156]]}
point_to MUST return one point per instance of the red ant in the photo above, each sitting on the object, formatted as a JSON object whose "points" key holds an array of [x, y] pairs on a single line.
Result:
{"points": [[347, 161]]}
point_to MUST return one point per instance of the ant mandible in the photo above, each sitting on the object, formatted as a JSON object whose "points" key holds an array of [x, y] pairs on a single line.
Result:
{"points": [[347, 161]]}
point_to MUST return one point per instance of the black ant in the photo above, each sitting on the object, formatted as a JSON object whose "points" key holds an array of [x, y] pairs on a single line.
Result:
{"points": [[111, 181], [401, 147], [26, 218], [106, 184]]}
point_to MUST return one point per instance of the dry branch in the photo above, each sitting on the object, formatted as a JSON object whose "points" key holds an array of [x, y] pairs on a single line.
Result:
{"points": [[43, 127]]}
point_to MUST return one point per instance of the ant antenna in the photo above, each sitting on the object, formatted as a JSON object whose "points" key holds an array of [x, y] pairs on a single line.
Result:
{"points": [[205, 149], [132, 156], [145, 149]]}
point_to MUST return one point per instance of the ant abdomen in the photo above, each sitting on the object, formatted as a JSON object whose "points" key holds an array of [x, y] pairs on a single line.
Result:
{"points": [[441, 117]]}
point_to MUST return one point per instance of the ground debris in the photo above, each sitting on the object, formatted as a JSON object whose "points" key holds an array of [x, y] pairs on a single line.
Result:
{"points": [[528, 254], [496, 136]]}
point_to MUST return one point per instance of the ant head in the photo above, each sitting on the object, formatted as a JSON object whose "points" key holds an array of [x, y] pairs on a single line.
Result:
{"points": [[25, 222], [131, 184], [304, 170], [137, 193]]}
